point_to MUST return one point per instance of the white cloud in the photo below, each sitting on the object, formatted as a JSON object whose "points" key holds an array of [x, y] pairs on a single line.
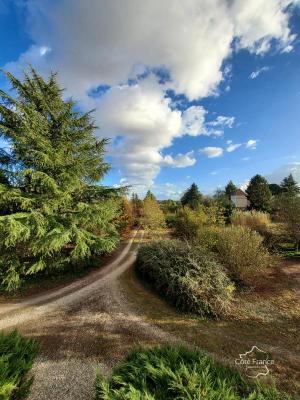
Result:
{"points": [[280, 173], [258, 71], [193, 120], [212, 152], [233, 147], [108, 42], [223, 121], [181, 160], [251, 144]]}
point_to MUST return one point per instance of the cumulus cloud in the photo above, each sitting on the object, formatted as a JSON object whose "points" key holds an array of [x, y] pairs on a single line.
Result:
{"points": [[258, 71], [251, 144], [110, 42], [212, 152], [280, 173], [181, 160]]}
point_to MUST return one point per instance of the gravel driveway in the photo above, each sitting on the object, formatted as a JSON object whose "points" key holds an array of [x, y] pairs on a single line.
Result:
{"points": [[82, 327]]}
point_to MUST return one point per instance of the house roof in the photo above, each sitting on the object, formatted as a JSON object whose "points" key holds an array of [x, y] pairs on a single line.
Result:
{"points": [[239, 192]]}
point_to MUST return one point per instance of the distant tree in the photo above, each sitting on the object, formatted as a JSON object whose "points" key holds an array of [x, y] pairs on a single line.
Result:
{"points": [[137, 207], [289, 186], [287, 209], [275, 189], [170, 206], [55, 211], [126, 219], [225, 202], [149, 195], [230, 188], [152, 216], [192, 197], [259, 194]]}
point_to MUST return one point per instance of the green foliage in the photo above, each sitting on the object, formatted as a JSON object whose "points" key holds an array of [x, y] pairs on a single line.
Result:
{"points": [[17, 355], [170, 206], [187, 275], [242, 252], [137, 208], [287, 211], [230, 188], [174, 372], [224, 201], [52, 210], [275, 189], [259, 194], [289, 186], [189, 222], [192, 197], [152, 216]]}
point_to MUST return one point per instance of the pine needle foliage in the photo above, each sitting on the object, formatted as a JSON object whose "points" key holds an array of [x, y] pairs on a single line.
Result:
{"points": [[52, 211], [17, 355], [174, 372]]}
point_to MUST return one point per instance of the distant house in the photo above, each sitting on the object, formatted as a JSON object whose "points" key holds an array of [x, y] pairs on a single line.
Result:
{"points": [[240, 200]]}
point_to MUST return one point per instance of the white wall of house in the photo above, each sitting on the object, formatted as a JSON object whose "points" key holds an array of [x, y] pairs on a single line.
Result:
{"points": [[240, 201]]}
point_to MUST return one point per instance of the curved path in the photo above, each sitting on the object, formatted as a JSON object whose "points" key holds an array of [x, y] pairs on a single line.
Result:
{"points": [[82, 327], [94, 321]]}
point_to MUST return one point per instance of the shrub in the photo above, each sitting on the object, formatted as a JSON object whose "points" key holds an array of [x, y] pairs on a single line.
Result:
{"points": [[16, 358], [187, 275], [208, 237], [251, 219], [173, 372], [188, 222], [242, 252]]}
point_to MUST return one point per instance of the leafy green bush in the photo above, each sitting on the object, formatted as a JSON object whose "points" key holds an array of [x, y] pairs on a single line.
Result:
{"points": [[242, 252], [188, 222], [16, 358], [188, 275], [208, 237], [173, 372]]}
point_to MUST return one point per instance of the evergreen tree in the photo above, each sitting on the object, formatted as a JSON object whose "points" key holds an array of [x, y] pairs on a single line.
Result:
{"points": [[152, 216], [230, 188], [192, 197], [259, 194], [149, 195], [137, 206], [275, 189], [54, 211], [289, 186]]}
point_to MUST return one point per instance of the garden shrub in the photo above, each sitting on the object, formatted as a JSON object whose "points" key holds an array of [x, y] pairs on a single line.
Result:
{"points": [[16, 359], [242, 252], [188, 275], [255, 220], [188, 222], [208, 236], [260, 222], [173, 372]]}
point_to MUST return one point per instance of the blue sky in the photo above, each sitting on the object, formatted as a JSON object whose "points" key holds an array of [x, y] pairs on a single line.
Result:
{"points": [[173, 102]]}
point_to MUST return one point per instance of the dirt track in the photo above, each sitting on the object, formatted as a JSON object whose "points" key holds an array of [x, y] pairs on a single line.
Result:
{"points": [[83, 326], [94, 321]]}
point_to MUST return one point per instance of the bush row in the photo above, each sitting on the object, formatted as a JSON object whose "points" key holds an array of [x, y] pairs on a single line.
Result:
{"points": [[187, 275]]}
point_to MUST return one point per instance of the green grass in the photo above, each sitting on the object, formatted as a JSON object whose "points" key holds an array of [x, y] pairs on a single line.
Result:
{"points": [[173, 372], [17, 355], [288, 250]]}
